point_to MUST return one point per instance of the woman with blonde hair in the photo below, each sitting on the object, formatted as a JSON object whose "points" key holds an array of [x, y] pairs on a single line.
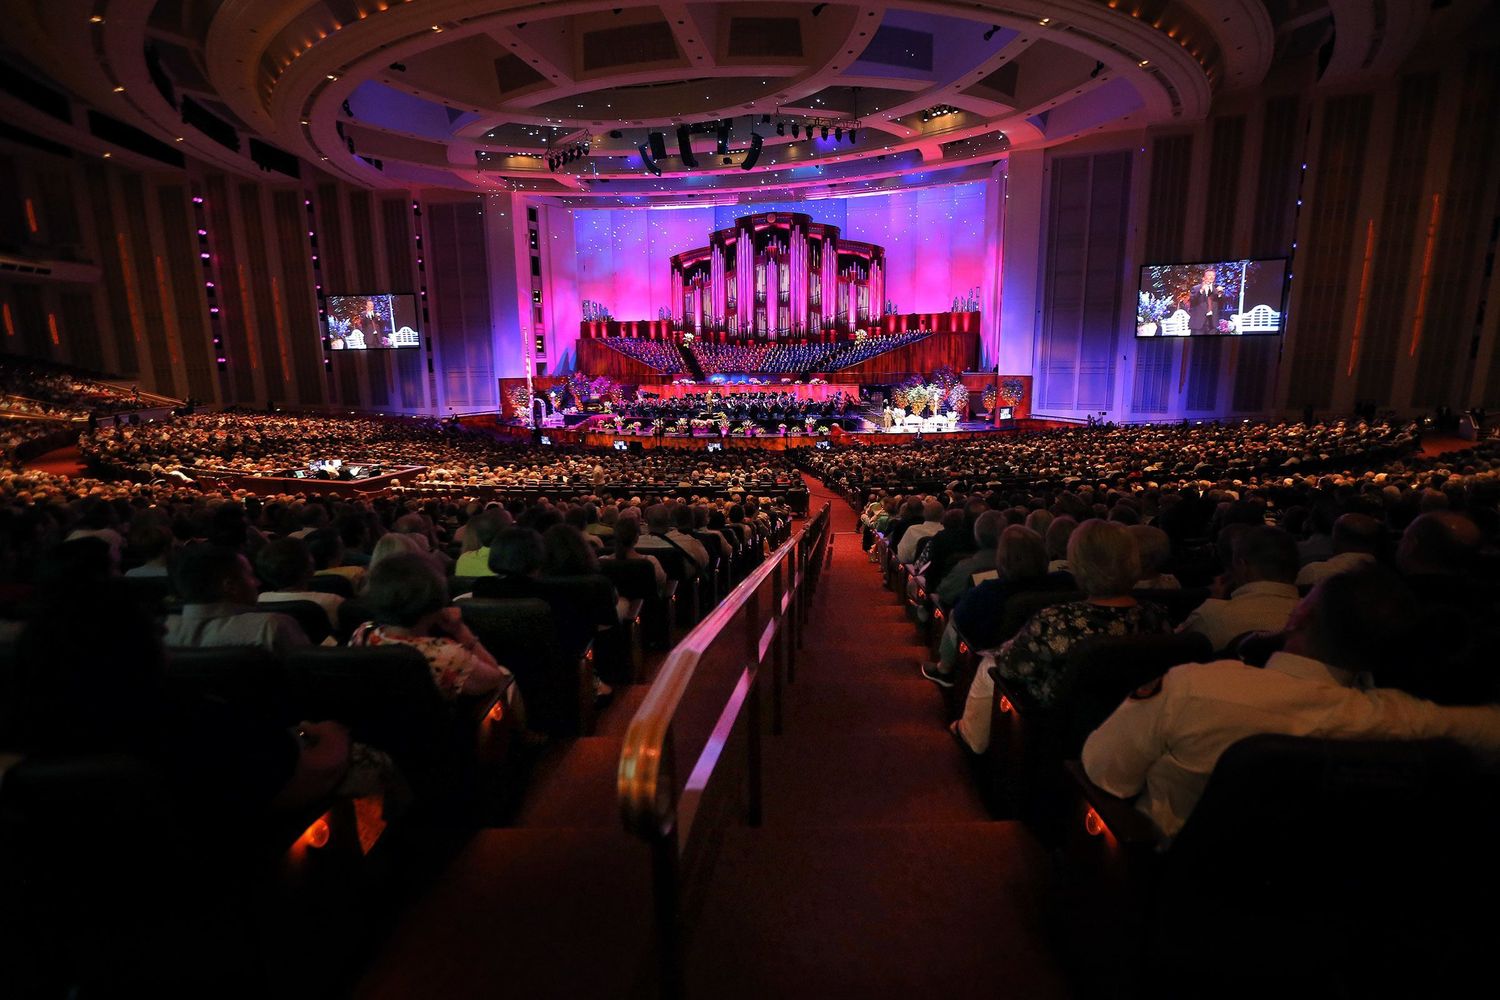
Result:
{"points": [[1105, 564]]}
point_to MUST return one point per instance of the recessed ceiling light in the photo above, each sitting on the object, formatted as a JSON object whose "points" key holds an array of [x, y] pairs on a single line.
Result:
{"points": [[96, 19], [108, 155], [333, 76], [179, 138], [120, 89]]}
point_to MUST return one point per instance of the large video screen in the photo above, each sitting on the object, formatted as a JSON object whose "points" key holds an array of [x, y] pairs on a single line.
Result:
{"points": [[1227, 298], [372, 322]]}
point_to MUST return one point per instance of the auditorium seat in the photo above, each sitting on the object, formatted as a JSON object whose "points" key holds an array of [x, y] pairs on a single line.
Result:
{"points": [[108, 886], [154, 593], [460, 585], [247, 677], [311, 617], [1350, 850], [522, 636], [387, 698]]}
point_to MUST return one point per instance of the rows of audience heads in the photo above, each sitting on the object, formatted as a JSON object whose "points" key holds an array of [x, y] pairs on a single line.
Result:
{"points": [[451, 456]]}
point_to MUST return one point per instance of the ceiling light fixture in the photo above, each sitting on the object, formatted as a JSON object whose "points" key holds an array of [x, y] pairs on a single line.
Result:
{"points": [[991, 33]]}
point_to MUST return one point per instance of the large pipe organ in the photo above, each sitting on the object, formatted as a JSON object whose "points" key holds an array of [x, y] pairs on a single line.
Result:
{"points": [[778, 276]]}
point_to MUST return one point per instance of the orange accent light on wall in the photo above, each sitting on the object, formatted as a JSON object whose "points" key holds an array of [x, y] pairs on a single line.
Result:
{"points": [[1364, 296], [1093, 824], [10, 323], [1005, 705], [30, 216], [1426, 282], [318, 834], [52, 327]]}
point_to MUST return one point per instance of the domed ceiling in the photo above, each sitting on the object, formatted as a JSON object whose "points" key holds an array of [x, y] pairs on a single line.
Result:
{"points": [[629, 102]]}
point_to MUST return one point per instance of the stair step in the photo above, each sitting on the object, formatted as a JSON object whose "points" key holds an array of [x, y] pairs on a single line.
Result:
{"points": [[863, 704], [850, 778], [577, 789], [923, 910]]}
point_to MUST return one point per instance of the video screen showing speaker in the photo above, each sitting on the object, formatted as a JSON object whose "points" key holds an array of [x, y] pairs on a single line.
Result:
{"points": [[382, 322], [1229, 298]]}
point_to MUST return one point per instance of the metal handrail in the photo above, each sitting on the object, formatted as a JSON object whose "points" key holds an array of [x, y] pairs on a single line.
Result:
{"points": [[647, 779]]}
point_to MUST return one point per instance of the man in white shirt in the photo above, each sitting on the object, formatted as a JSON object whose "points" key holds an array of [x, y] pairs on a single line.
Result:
{"points": [[1165, 740], [1356, 537], [217, 587], [1261, 595], [931, 524]]}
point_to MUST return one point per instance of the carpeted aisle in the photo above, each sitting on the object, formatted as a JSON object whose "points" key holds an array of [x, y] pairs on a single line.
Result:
{"points": [[877, 872]]}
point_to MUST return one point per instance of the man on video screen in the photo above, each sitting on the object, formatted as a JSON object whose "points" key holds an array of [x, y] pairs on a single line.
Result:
{"points": [[373, 328], [1205, 302]]}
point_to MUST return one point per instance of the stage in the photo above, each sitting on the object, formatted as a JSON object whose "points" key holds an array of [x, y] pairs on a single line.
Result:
{"points": [[816, 393], [967, 430]]}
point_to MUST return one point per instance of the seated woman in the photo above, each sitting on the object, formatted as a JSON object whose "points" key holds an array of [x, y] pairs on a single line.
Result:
{"points": [[408, 600], [627, 533], [1105, 564], [1021, 567], [1156, 552]]}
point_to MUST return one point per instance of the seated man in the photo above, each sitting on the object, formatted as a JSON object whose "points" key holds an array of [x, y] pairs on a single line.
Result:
{"points": [[1165, 739], [1263, 565], [285, 567], [217, 587], [1355, 540]]}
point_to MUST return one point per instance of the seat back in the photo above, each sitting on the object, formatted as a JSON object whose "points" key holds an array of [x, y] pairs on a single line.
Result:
{"points": [[521, 635], [247, 677], [103, 886], [387, 698], [634, 579], [331, 583], [153, 593], [1104, 670], [1295, 831], [460, 585], [309, 616]]}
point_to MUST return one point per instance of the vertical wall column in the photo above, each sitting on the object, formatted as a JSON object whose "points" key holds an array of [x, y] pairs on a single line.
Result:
{"points": [[1020, 225]]}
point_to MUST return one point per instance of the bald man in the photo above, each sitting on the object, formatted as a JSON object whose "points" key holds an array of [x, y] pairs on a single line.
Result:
{"points": [[1356, 538]]}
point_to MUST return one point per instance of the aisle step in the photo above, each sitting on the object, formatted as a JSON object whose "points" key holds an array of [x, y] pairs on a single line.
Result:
{"points": [[856, 701], [576, 788], [525, 913], [924, 910], [846, 777]]}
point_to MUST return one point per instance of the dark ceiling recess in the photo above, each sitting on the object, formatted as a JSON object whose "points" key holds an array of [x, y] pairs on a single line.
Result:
{"points": [[513, 73], [899, 47], [765, 36], [128, 137], [628, 45], [25, 138], [209, 124], [38, 95], [270, 158]]}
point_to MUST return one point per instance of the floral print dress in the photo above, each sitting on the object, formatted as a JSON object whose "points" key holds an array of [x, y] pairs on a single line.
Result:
{"points": [[1035, 660]]}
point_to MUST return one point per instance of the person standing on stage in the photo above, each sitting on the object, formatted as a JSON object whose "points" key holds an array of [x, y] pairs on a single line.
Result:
{"points": [[1205, 301]]}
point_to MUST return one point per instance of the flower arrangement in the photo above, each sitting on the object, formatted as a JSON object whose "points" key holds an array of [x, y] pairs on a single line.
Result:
{"points": [[781, 429], [990, 396], [958, 400], [1153, 308], [520, 398], [1012, 390]]}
